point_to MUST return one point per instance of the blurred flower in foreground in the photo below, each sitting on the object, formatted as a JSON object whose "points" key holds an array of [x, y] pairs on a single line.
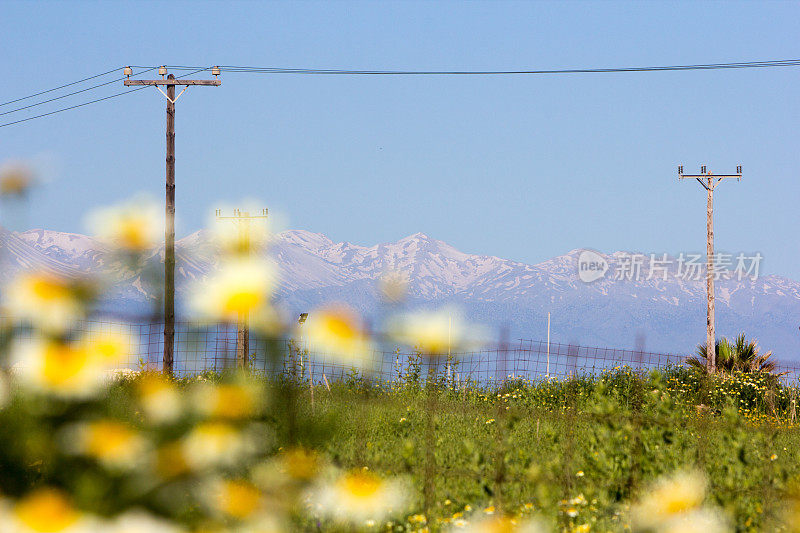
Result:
{"points": [[44, 510], [501, 524], [111, 345], [240, 236], [265, 523], [159, 398], [435, 332], [115, 445], [47, 301], [170, 460], [393, 286], [337, 331], [238, 499], [359, 496], [301, 464], [135, 226], [293, 466], [235, 401], [674, 505], [242, 287], [138, 521], [15, 179], [212, 444], [61, 368]]}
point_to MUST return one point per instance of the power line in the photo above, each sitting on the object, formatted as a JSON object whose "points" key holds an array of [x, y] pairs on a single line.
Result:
{"points": [[70, 107], [707, 66], [87, 103], [284, 70], [59, 87], [70, 94]]}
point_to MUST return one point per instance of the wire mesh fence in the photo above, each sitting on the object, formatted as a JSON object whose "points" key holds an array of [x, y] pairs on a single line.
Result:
{"points": [[213, 348]]}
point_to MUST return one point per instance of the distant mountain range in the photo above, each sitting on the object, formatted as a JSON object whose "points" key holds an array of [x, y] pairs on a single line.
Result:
{"points": [[655, 314]]}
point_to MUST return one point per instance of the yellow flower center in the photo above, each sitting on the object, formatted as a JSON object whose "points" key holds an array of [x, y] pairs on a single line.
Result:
{"points": [[239, 499], [340, 326], [110, 348], [152, 384], [242, 301], [216, 436], [301, 463], [361, 485], [46, 510], [109, 440], [500, 525], [63, 362], [49, 289], [132, 234], [232, 401]]}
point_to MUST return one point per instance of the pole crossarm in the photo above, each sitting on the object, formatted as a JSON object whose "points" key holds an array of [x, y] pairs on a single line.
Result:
{"points": [[213, 83], [712, 176]]}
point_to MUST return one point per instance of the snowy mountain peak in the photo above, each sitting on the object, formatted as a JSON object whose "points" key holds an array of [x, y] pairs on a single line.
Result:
{"points": [[607, 312], [68, 242], [305, 238]]}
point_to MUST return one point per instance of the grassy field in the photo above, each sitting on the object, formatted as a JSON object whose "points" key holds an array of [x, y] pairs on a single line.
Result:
{"points": [[576, 453]]}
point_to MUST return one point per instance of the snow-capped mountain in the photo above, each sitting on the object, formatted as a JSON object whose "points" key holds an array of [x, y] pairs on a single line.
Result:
{"points": [[665, 311]]}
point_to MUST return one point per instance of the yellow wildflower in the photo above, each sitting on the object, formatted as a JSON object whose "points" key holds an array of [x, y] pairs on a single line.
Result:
{"points": [[212, 444], [240, 236], [44, 510], [672, 496], [434, 332], [112, 443], [337, 330], [240, 288], [499, 524], [237, 499], [233, 401], [134, 226], [160, 400], [358, 496], [60, 368], [49, 302]]}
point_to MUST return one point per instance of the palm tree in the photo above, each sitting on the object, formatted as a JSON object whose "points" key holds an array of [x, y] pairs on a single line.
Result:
{"points": [[739, 356]]}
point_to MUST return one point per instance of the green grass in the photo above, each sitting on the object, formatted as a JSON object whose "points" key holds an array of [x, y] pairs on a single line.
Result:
{"points": [[543, 444], [572, 453]]}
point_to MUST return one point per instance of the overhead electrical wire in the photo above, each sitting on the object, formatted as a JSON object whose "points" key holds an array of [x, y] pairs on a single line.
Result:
{"points": [[707, 66], [284, 70], [89, 103], [59, 87], [72, 107], [72, 93]]}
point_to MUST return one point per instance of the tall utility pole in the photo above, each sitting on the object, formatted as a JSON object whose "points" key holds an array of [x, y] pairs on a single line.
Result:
{"points": [[243, 221], [709, 182], [169, 237]]}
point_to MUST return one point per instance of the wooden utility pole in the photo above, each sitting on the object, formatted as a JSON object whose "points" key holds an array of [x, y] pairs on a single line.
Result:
{"points": [[169, 237], [243, 221], [709, 182]]}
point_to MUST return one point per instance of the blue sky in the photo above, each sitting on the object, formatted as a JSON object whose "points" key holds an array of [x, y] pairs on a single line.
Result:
{"points": [[522, 167]]}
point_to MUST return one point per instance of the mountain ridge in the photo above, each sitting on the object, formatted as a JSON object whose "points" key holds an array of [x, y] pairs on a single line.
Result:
{"points": [[501, 292]]}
